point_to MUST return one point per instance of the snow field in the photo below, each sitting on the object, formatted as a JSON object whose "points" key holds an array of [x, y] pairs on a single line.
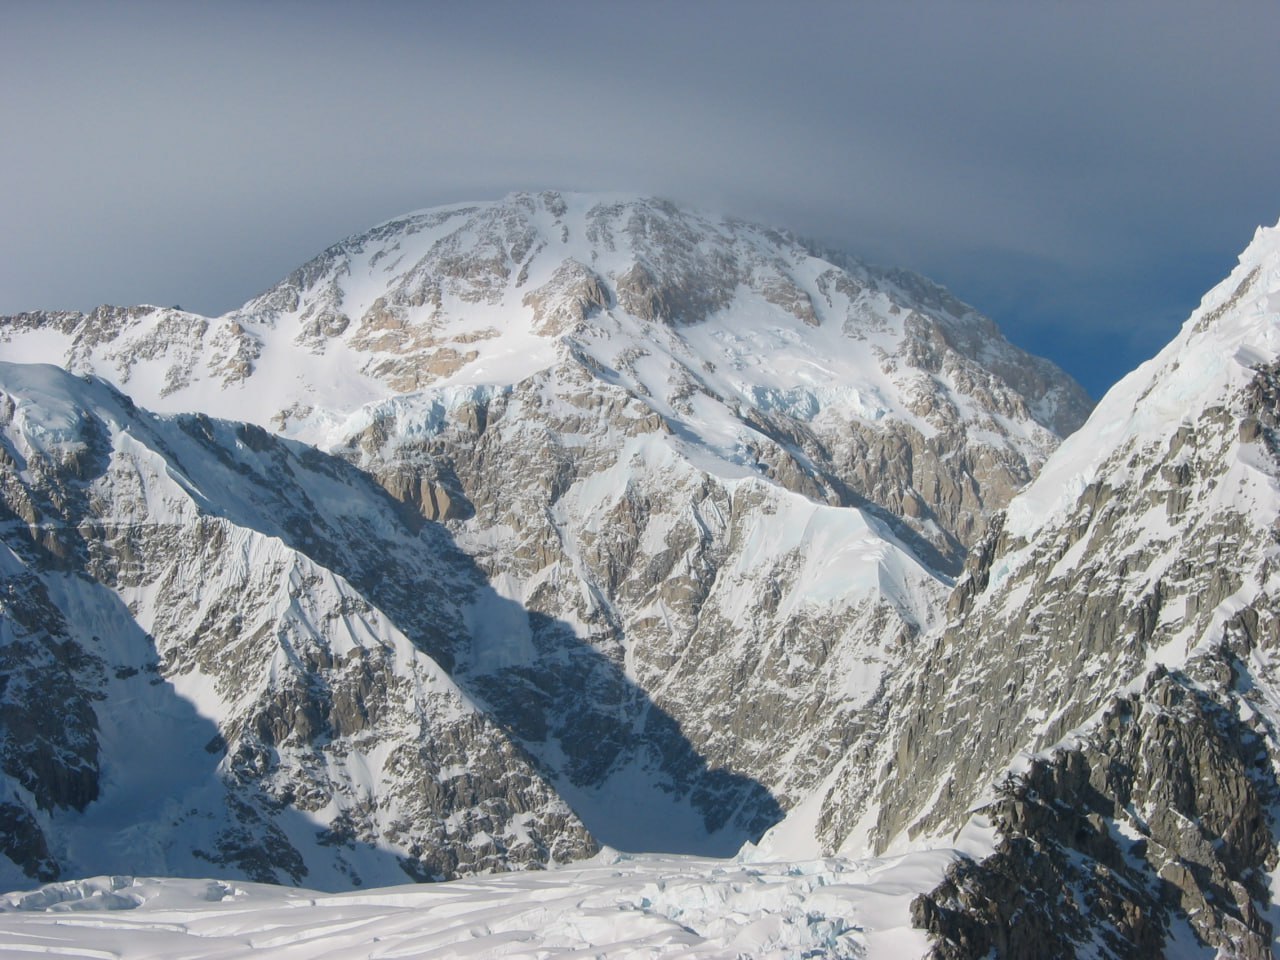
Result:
{"points": [[614, 906]]}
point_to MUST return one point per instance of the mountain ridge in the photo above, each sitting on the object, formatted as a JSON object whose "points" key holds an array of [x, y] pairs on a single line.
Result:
{"points": [[528, 283], [1134, 582]]}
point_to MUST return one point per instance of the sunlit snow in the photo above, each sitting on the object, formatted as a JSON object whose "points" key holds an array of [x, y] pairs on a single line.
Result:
{"points": [[614, 906]]}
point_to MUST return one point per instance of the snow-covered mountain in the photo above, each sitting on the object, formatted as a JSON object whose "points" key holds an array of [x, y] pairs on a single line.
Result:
{"points": [[506, 530], [199, 672], [493, 533], [516, 529], [835, 378]]}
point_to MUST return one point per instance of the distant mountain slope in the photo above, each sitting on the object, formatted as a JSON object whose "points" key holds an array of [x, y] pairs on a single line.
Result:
{"points": [[560, 503]]}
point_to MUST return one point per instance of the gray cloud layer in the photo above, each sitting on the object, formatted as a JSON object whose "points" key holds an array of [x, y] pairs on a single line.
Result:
{"points": [[1080, 171]]}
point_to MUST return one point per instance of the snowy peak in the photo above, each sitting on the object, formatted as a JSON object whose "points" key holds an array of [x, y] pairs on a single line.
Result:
{"points": [[1244, 306], [483, 293], [755, 354], [1232, 335], [419, 286]]}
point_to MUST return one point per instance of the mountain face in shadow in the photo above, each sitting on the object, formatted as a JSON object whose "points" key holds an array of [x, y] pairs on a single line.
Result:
{"points": [[239, 623]]}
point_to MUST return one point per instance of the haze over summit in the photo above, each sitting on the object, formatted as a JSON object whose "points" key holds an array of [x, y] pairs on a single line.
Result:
{"points": [[1079, 174]]}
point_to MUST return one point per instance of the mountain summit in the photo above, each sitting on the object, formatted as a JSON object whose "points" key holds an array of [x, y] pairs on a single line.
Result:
{"points": [[745, 341], [492, 533]]}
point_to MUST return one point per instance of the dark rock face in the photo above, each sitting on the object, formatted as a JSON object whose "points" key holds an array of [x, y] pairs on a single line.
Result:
{"points": [[1160, 816], [48, 729], [683, 298], [23, 842]]}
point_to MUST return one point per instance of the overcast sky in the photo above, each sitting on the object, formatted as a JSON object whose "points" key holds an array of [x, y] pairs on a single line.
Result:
{"points": [[1082, 172]]}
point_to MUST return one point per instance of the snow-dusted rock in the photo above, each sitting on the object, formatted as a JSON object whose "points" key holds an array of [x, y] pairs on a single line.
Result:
{"points": [[1112, 645], [670, 499], [199, 673]]}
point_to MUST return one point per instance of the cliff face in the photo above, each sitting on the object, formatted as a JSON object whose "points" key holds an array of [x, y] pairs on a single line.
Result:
{"points": [[1120, 627], [203, 672]]}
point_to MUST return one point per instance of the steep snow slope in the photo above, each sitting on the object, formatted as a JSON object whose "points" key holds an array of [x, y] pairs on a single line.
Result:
{"points": [[1114, 642]]}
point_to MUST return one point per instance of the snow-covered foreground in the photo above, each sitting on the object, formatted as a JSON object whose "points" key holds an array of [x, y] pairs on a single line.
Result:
{"points": [[615, 905]]}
